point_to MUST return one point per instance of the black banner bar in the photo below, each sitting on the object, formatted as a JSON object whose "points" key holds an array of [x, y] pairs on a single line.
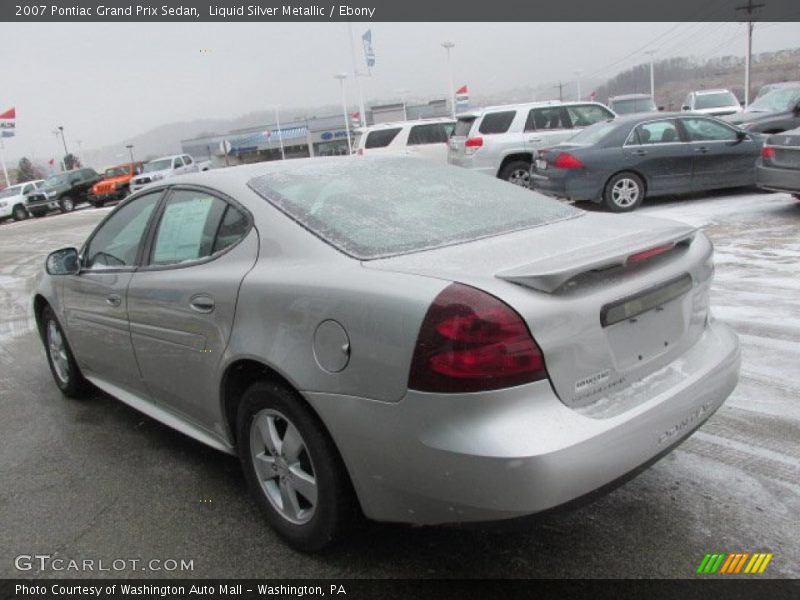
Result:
{"points": [[732, 588], [396, 10]]}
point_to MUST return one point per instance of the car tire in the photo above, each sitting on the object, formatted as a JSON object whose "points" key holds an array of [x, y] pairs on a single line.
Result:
{"points": [[18, 213], [312, 519], [67, 204], [517, 172], [65, 370], [624, 192], [98, 203]]}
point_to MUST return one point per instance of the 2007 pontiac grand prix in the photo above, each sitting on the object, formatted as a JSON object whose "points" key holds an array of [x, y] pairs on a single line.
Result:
{"points": [[386, 337]]}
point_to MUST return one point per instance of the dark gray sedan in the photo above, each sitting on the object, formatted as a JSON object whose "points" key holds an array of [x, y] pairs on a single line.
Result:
{"points": [[618, 163], [778, 169]]}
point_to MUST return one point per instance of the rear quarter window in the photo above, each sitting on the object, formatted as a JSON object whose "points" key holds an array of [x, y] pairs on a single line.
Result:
{"points": [[498, 122], [381, 138], [432, 133], [463, 126]]}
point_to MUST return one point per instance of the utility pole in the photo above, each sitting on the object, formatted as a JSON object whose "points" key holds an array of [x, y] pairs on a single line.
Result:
{"points": [[750, 8], [578, 74], [560, 87], [362, 115], [452, 93], [652, 75]]}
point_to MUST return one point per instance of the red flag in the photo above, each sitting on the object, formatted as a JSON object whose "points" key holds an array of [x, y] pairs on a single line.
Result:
{"points": [[52, 162], [462, 90], [593, 95], [11, 113]]}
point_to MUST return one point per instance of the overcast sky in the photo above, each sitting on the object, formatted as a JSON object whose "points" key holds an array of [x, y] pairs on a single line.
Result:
{"points": [[107, 82]]}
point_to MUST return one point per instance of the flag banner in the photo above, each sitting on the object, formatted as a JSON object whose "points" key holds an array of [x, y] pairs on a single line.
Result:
{"points": [[8, 133], [462, 98], [8, 119], [369, 53], [355, 118]]}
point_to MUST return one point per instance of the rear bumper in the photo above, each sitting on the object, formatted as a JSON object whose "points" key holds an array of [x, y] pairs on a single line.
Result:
{"points": [[569, 185], [778, 180], [434, 458], [42, 205], [473, 163]]}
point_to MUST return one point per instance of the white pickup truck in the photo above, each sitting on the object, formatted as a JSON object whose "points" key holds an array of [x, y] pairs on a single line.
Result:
{"points": [[12, 200], [165, 167]]}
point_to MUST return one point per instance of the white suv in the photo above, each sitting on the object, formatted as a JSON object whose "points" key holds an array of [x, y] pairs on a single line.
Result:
{"points": [[716, 103], [12, 199], [501, 140], [426, 138], [162, 168]]}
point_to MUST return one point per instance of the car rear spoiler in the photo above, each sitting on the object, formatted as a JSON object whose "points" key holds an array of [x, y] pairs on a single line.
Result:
{"points": [[548, 274]]}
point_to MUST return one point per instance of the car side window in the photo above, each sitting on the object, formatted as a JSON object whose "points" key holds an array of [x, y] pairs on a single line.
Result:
{"points": [[658, 132], [233, 227], [187, 159], [550, 117], [498, 122], [177, 162], [116, 243], [27, 189], [193, 226], [587, 114], [706, 130], [433, 133], [380, 138]]}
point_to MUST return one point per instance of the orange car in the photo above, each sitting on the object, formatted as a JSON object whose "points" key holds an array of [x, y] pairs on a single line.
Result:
{"points": [[115, 183]]}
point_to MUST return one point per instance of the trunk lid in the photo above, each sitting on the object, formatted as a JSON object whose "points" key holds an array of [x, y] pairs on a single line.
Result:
{"points": [[603, 322]]}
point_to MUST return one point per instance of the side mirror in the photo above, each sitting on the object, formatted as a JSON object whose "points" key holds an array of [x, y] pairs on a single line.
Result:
{"points": [[686, 107], [63, 262], [660, 109]]}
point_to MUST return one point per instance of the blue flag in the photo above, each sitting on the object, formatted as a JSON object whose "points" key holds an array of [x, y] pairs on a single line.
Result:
{"points": [[8, 133], [369, 53]]}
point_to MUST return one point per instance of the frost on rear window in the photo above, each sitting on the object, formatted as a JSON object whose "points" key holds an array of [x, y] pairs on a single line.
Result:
{"points": [[377, 208]]}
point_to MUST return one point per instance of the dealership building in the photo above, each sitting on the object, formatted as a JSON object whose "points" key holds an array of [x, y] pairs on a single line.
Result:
{"points": [[314, 136]]}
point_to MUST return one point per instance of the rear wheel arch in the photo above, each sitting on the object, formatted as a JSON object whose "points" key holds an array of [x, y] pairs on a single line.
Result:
{"points": [[239, 376], [39, 304], [523, 156]]}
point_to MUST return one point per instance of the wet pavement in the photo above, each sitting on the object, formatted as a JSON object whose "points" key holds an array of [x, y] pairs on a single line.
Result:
{"points": [[94, 479]]}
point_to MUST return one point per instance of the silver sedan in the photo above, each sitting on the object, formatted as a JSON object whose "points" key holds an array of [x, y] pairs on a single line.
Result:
{"points": [[390, 338]]}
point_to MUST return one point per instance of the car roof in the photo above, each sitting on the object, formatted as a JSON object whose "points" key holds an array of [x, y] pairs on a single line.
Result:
{"points": [[629, 97], [392, 124], [718, 91], [171, 156], [524, 105]]}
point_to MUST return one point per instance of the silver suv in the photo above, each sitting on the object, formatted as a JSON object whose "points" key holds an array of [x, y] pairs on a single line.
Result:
{"points": [[501, 140]]}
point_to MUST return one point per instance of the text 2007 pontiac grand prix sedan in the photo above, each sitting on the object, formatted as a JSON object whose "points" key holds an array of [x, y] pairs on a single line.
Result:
{"points": [[413, 342]]}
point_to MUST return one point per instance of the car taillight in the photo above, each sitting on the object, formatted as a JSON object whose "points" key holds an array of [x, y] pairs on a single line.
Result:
{"points": [[648, 254], [768, 152], [471, 145], [471, 342], [565, 160]]}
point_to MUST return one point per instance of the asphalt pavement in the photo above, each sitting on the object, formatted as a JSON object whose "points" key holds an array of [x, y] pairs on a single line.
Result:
{"points": [[94, 479]]}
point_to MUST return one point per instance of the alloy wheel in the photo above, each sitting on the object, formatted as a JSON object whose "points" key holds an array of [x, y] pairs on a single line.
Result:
{"points": [[625, 192], [520, 177], [283, 466], [58, 352]]}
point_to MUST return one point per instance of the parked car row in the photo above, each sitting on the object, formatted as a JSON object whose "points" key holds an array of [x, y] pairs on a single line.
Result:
{"points": [[65, 191]]}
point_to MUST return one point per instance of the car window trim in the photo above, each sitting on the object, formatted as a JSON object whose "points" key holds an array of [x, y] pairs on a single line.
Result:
{"points": [[137, 261], [144, 264], [682, 133]]}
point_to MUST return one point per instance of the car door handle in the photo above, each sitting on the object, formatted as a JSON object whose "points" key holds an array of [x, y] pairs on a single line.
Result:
{"points": [[202, 303], [533, 140], [701, 149], [640, 152], [113, 300]]}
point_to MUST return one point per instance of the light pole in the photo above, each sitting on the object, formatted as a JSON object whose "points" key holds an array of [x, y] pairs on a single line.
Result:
{"points": [[130, 151], [578, 79], [64, 141], [362, 115], [452, 93], [280, 133], [56, 133], [652, 75], [341, 77], [403, 97]]}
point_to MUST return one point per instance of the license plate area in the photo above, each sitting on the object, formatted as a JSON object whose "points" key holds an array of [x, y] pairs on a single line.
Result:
{"points": [[541, 164], [633, 306]]}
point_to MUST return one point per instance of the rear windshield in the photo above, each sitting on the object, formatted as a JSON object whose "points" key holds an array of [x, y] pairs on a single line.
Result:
{"points": [[463, 125], [379, 208], [715, 100], [592, 134], [633, 105], [381, 138]]}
